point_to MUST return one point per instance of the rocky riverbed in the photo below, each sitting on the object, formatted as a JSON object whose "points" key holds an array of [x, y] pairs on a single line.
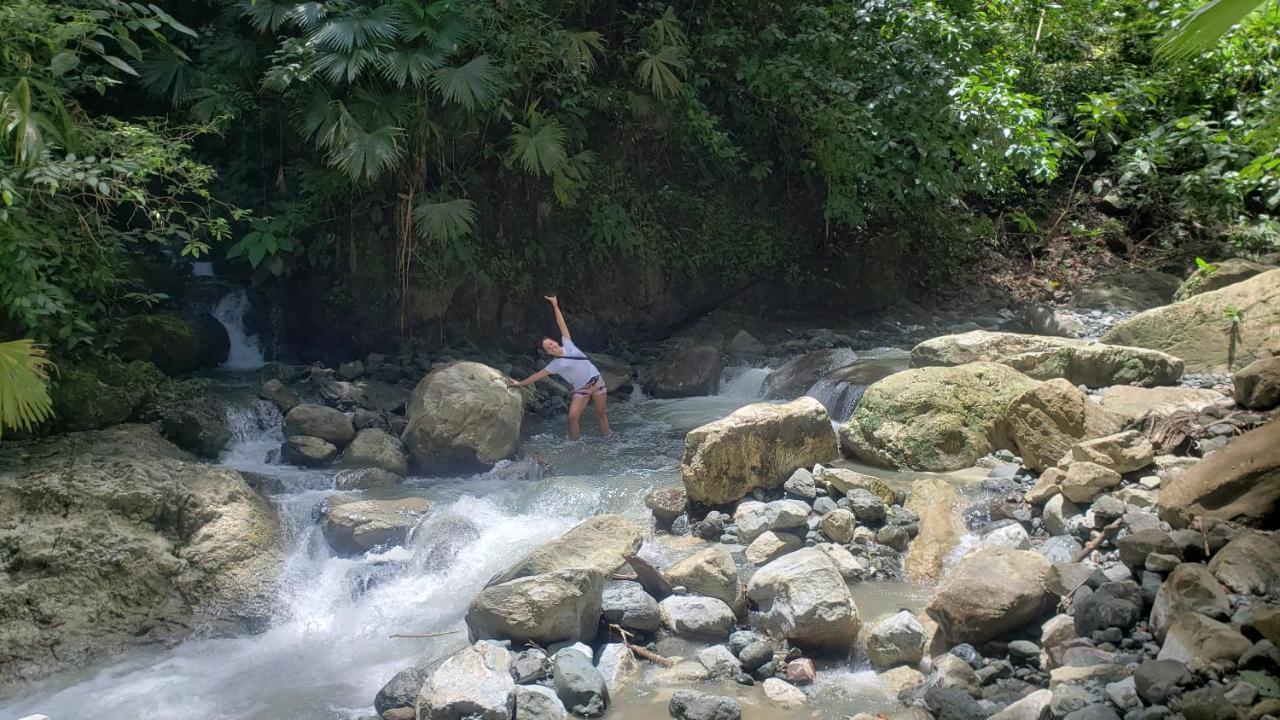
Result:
{"points": [[956, 519]]}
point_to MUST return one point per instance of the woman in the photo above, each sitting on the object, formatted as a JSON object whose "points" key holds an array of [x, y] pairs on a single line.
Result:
{"points": [[582, 375]]}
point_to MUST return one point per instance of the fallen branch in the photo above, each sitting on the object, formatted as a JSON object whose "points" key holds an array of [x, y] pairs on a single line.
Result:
{"points": [[425, 635], [1093, 544], [640, 651]]}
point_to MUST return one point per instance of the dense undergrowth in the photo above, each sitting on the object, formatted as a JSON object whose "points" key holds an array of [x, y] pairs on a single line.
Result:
{"points": [[511, 143]]}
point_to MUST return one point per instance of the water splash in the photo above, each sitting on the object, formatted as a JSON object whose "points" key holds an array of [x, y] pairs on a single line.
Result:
{"points": [[838, 397], [246, 353], [745, 383]]}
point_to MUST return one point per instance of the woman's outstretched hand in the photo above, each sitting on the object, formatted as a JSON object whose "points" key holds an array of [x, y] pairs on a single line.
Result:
{"points": [[552, 299]]}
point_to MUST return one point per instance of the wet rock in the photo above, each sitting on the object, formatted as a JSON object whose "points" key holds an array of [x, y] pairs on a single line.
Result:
{"points": [[667, 502], [282, 395], [941, 528], [951, 671], [900, 679], [462, 417], [803, 597], [1074, 688], [784, 694], [969, 608], [1122, 452], [1257, 385], [319, 421], [1011, 535], [849, 567], [365, 479], [1032, 707], [758, 446], [690, 705], [756, 654], [1196, 636], [846, 481], [535, 702], [474, 682], [952, 704], [530, 666], [1240, 483], [710, 527], [1083, 481], [801, 484], [618, 666], [866, 506], [1158, 681], [1249, 564], [719, 661], [710, 572], [1189, 588], [1112, 605], [771, 546], [685, 372], [898, 640], [553, 607], [698, 618], [800, 672], [602, 543], [893, 536], [1193, 329], [307, 451], [933, 418], [754, 518], [578, 684], [625, 603], [1046, 420], [838, 525], [401, 691], [373, 448], [353, 528]]}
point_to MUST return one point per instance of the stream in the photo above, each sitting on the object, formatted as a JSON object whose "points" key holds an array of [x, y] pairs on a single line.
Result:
{"points": [[329, 648]]}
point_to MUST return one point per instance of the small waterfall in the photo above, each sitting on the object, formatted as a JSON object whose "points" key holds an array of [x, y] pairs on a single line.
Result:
{"points": [[202, 269], [246, 353], [840, 398], [743, 382]]}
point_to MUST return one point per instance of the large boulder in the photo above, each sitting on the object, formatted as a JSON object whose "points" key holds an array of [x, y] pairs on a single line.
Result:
{"points": [[373, 448], [696, 617], [1128, 290], [1198, 330], [1193, 636], [97, 395], [1189, 588], [1249, 564], [117, 540], [757, 446], [897, 640], [552, 607], [578, 684], [1219, 275], [934, 418], [601, 543], [1046, 420], [1044, 358], [1240, 483], [319, 421], [1132, 404], [794, 377], [353, 528], [1257, 385], [474, 683], [462, 417], [970, 608], [803, 597], [307, 451], [1121, 452], [686, 372], [166, 340], [941, 527], [710, 572]]}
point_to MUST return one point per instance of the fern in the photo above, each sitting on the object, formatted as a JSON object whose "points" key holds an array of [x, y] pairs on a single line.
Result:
{"points": [[24, 398], [444, 221], [471, 85]]}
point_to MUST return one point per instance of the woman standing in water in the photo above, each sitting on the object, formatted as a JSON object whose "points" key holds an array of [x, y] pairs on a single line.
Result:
{"points": [[573, 365]]}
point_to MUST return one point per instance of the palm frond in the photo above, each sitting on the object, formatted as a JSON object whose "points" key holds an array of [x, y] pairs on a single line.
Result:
{"points": [[580, 50], [667, 29], [661, 71], [359, 29], [308, 15], [24, 397], [538, 147], [267, 15], [444, 220], [19, 118], [368, 155], [410, 66], [471, 85], [1200, 30], [345, 65]]}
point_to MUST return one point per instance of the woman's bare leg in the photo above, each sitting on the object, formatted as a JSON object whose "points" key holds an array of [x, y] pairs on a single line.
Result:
{"points": [[576, 406], [600, 401]]}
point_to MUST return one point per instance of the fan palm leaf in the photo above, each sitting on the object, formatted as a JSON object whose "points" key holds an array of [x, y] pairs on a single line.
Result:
{"points": [[24, 397], [444, 220], [367, 155], [661, 71], [471, 85], [538, 147], [1201, 29]]}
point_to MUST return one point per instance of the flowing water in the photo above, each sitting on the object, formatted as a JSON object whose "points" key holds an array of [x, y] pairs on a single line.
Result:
{"points": [[245, 352], [330, 647]]}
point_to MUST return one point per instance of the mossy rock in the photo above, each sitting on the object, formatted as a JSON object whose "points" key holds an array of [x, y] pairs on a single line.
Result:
{"points": [[1219, 275], [95, 395], [166, 340]]}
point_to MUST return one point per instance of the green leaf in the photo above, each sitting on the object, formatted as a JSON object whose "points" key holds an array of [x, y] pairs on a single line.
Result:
{"points": [[444, 220], [122, 65], [471, 85], [63, 63], [539, 146], [24, 396], [1201, 29]]}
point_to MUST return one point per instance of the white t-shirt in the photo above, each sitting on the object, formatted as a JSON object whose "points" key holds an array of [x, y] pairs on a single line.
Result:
{"points": [[576, 371]]}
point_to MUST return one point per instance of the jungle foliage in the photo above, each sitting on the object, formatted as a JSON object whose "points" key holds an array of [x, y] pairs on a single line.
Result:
{"points": [[728, 138]]}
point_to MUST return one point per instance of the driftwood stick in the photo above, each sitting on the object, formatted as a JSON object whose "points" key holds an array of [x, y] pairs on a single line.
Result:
{"points": [[1094, 543], [425, 635], [639, 650]]}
